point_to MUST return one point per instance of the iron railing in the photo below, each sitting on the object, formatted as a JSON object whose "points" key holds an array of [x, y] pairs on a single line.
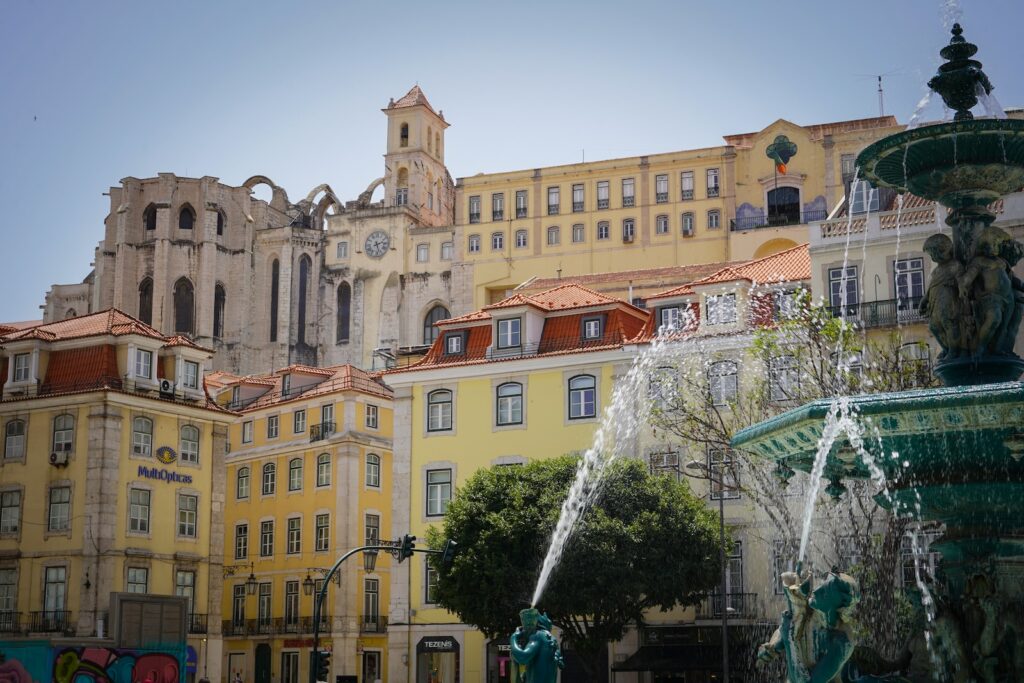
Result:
{"points": [[54, 621], [740, 606], [474, 218], [275, 626], [628, 201], [602, 203], [498, 215], [661, 197], [712, 192], [197, 623], [885, 313], [520, 212], [552, 209], [577, 207], [373, 623], [319, 432], [777, 220], [10, 622], [687, 195]]}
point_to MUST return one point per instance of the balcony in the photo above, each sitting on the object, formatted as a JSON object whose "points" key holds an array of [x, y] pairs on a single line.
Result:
{"points": [[498, 215], [740, 606], [602, 203], [778, 220], [275, 626], [888, 313], [373, 624], [577, 207], [10, 622], [50, 622], [713, 192], [628, 201], [661, 197], [474, 217], [520, 212], [687, 195], [319, 432], [552, 209], [197, 623]]}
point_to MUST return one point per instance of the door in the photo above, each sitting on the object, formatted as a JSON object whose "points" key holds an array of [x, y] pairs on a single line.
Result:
{"points": [[262, 664], [371, 667]]}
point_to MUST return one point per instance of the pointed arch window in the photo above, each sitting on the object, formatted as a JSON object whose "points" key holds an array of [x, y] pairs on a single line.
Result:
{"points": [[146, 301], [275, 281], [344, 311], [221, 220], [186, 218], [184, 307], [304, 267], [435, 314], [219, 300], [149, 217], [403, 139]]}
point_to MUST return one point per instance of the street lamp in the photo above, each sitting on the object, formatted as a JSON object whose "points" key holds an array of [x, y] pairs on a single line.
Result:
{"points": [[308, 584], [250, 583], [369, 560], [696, 466]]}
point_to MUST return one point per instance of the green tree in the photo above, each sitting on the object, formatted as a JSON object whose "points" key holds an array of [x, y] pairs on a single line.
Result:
{"points": [[646, 543]]}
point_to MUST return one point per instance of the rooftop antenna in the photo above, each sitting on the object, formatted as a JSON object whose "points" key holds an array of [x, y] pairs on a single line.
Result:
{"points": [[881, 92]]}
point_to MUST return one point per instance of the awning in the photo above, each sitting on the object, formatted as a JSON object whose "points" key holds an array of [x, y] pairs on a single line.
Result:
{"points": [[673, 658]]}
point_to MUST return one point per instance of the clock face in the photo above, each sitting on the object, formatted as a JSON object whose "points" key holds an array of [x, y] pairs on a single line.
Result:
{"points": [[377, 243]]}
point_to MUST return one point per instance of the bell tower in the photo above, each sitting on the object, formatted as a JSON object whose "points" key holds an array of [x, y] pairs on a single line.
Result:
{"points": [[414, 172]]}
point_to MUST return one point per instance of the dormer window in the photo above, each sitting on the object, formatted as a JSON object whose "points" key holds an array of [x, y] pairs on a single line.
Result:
{"points": [[144, 364], [721, 309], [22, 366], [671, 317], [592, 328], [235, 396], [509, 333], [286, 385], [190, 375], [453, 345]]}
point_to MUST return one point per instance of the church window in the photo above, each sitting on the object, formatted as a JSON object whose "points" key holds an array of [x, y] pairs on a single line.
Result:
{"points": [[149, 217], [404, 135], [275, 281], [221, 220], [435, 314], [344, 311], [186, 218], [342, 249], [219, 299], [304, 266], [146, 301], [184, 307], [430, 139]]}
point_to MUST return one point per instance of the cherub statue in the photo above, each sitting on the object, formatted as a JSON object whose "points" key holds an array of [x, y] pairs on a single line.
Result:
{"points": [[533, 646], [986, 285], [941, 303]]}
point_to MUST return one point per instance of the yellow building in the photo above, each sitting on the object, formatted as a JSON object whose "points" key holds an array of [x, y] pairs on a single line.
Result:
{"points": [[309, 476], [111, 479], [725, 203]]}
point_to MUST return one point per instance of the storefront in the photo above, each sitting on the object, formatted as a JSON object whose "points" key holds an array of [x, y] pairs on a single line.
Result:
{"points": [[499, 662], [437, 660]]}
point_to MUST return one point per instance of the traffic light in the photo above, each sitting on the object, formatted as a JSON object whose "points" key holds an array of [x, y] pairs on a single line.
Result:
{"points": [[322, 664], [448, 554], [405, 550]]}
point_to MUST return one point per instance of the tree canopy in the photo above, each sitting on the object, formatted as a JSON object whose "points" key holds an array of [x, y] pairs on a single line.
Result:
{"points": [[647, 542]]}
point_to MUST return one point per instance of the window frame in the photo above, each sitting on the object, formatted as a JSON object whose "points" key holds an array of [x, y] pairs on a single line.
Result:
{"points": [[714, 219], [721, 369], [422, 252], [783, 377], [445, 419], [628, 198], [661, 188], [188, 448], [267, 538], [66, 525], [247, 431], [447, 250], [144, 363], [372, 478], [554, 236], [273, 426], [716, 314], [142, 436], [293, 536], [299, 421], [506, 412], [63, 433], [372, 417], [296, 473], [497, 206], [131, 580], [460, 345], [506, 335], [268, 481], [322, 532], [578, 190], [474, 209], [686, 194], [243, 474], [577, 397], [22, 371], [554, 200], [661, 224], [714, 189], [242, 541], [497, 241], [603, 194], [323, 470], [437, 506], [10, 512], [137, 522], [522, 239], [628, 229], [522, 204], [473, 244], [14, 444], [688, 223], [604, 230], [190, 375], [188, 518], [579, 233], [587, 332]]}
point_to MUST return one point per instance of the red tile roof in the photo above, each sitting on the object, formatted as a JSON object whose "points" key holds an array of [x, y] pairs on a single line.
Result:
{"points": [[412, 98], [305, 369], [336, 378], [109, 322], [791, 265], [7, 328], [92, 367], [643, 277]]}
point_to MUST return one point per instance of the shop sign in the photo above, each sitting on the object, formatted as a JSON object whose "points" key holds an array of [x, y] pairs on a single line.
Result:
{"points": [[437, 644]]}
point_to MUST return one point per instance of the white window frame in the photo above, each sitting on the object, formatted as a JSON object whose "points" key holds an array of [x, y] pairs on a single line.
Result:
{"points": [[579, 233], [723, 381], [592, 328], [22, 367], [453, 344], [268, 481], [188, 450], [242, 541], [582, 399], [342, 249], [554, 236], [14, 443], [373, 470], [139, 506], [497, 241], [604, 230], [293, 544], [447, 250], [243, 480], [273, 426], [686, 193], [323, 470], [188, 515], [422, 253], [142, 436], [190, 375], [137, 580], [473, 245], [628, 192], [372, 416], [661, 188], [299, 421], [509, 404], [63, 432], [296, 472], [440, 412], [713, 183], [661, 224], [522, 239], [144, 363], [58, 517], [721, 309], [510, 333], [247, 431], [671, 317], [714, 219], [439, 491], [267, 538], [322, 532]]}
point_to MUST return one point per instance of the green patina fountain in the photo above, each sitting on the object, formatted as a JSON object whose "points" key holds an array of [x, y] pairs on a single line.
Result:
{"points": [[953, 455]]}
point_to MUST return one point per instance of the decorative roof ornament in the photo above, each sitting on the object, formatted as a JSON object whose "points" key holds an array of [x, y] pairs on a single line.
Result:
{"points": [[960, 78]]}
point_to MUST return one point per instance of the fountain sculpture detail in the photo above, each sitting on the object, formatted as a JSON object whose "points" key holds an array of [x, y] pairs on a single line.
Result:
{"points": [[533, 647]]}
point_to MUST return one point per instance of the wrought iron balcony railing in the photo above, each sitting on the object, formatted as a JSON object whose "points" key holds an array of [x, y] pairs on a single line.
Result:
{"points": [[197, 623], [577, 207], [687, 195], [498, 215], [319, 432], [520, 212], [373, 624], [712, 192], [10, 622], [777, 220], [274, 626], [885, 313], [552, 209], [602, 203], [628, 201], [474, 218], [739, 606], [55, 621], [661, 197]]}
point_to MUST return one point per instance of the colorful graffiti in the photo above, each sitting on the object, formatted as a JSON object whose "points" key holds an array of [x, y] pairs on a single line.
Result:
{"points": [[31, 663]]}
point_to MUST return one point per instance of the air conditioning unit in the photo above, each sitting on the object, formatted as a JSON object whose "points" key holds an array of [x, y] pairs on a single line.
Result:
{"points": [[59, 459], [166, 387]]}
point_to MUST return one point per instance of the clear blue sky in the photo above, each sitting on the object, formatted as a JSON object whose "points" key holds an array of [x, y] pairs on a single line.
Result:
{"points": [[91, 92]]}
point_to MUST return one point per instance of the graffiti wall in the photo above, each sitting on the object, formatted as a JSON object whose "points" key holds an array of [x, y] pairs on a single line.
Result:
{"points": [[42, 661]]}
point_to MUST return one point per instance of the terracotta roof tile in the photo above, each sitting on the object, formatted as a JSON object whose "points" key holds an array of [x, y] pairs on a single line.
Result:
{"points": [[666, 275], [336, 378], [305, 369], [108, 322], [92, 367], [469, 317], [412, 98]]}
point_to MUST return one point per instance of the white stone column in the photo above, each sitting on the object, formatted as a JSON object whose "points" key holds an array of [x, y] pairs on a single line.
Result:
{"points": [[401, 660]]}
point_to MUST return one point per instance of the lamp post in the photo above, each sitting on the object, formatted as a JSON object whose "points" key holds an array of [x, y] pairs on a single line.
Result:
{"points": [[694, 465]]}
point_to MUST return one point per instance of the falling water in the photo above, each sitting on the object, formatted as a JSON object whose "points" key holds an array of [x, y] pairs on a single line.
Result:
{"points": [[952, 13], [989, 103], [915, 118]]}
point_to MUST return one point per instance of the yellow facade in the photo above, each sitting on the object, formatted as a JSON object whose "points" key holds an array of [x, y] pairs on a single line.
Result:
{"points": [[301, 493]]}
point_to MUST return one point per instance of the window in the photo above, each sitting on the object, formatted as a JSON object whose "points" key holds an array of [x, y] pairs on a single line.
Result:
{"points": [[242, 483], [439, 410], [263, 603], [721, 309], [687, 221], [712, 175], [686, 185], [865, 198], [10, 512], [401, 194], [323, 469], [497, 241], [291, 618], [372, 470], [714, 219], [553, 235], [14, 439], [582, 397], [521, 239], [403, 136], [342, 249], [422, 253], [322, 534], [275, 281], [843, 289], [498, 206], [847, 166], [447, 249], [63, 432], [343, 313], [628, 230], [602, 194], [474, 244], [439, 491], [784, 206], [510, 403], [294, 535], [628, 192], [146, 301], [453, 344], [295, 474], [299, 421], [371, 600], [372, 525], [909, 274], [149, 217], [722, 382], [22, 362], [188, 509], [661, 225], [724, 477], [184, 307], [273, 426], [784, 378], [578, 233], [138, 511], [661, 188], [474, 209], [592, 328], [8, 596], [138, 580], [59, 517], [189, 450], [371, 416], [54, 591], [142, 436], [269, 479], [430, 587], [671, 317], [241, 541], [508, 333], [603, 230], [247, 431], [553, 201], [430, 329], [786, 305], [267, 538], [577, 198], [186, 218], [521, 206], [190, 375], [327, 415]]}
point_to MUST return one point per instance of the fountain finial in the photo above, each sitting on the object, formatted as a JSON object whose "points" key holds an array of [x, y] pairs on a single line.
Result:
{"points": [[958, 79]]}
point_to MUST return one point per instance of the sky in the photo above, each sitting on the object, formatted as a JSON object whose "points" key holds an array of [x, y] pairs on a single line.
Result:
{"points": [[92, 92]]}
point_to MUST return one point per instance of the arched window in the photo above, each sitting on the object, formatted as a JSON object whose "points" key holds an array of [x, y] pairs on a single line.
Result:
{"points": [[372, 469], [242, 483], [582, 397], [142, 436], [295, 474], [275, 281], [434, 315], [304, 266], [63, 432], [722, 382], [189, 448], [323, 469], [403, 138], [522, 239], [149, 217], [439, 410], [14, 439], [269, 479], [186, 218], [554, 235], [437, 144], [430, 139], [70, 313], [219, 299], [221, 220], [344, 311], [184, 307], [783, 206], [510, 403], [146, 301]]}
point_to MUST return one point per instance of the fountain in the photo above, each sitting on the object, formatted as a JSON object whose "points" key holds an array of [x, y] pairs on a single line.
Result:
{"points": [[951, 455]]}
